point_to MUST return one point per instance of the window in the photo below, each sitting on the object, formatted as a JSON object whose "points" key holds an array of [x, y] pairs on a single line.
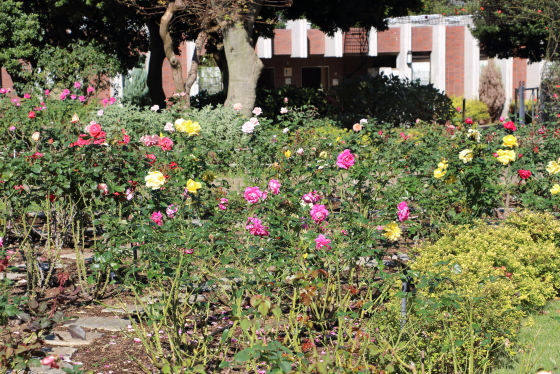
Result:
{"points": [[315, 77], [421, 67]]}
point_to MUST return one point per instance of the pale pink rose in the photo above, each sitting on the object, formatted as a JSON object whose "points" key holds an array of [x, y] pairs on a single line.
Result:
{"points": [[237, 106], [255, 227], [171, 210], [274, 186], [149, 140], [286, 130], [345, 160], [403, 211], [322, 242], [363, 120], [188, 251], [129, 194], [169, 127], [254, 121], [155, 108], [319, 213], [300, 151], [248, 127], [50, 361], [12, 128], [137, 340], [100, 112], [103, 188], [285, 99], [257, 111], [283, 110], [253, 194], [357, 127]]}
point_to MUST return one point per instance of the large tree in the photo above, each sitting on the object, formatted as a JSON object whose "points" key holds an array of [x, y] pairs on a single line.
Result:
{"points": [[100, 34], [518, 28]]}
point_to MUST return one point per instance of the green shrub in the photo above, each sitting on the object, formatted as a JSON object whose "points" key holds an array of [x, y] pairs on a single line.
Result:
{"points": [[391, 100], [521, 252], [136, 92], [271, 100], [475, 109]]}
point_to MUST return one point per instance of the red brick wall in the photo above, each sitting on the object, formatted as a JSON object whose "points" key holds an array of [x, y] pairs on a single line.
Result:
{"points": [[336, 67], [389, 41], [6, 79], [519, 73], [455, 60], [316, 42], [422, 39], [282, 42], [354, 41]]}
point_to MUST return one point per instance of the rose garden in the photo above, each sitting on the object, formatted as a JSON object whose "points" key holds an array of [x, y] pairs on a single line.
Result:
{"points": [[276, 243]]}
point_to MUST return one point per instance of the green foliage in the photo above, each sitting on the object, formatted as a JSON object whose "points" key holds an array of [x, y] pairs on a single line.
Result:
{"points": [[136, 91], [271, 100], [391, 101], [476, 109]]}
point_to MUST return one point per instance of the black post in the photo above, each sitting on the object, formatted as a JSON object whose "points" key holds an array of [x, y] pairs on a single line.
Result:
{"points": [[522, 103], [464, 108]]}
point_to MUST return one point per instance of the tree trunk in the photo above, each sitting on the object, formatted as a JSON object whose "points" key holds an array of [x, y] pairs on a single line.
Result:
{"points": [[155, 66], [176, 68], [220, 58], [244, 66], [193, 71]]}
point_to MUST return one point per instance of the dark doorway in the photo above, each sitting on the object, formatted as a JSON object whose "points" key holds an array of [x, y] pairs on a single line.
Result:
{"points": [[315, 77]]}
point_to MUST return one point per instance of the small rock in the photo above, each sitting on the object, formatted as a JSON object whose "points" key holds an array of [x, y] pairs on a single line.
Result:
{"points": [[102, 323]]}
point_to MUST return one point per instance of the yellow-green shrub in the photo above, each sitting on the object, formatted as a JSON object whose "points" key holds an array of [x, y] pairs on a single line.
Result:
{"points": [[476, 109], [523, 251]]}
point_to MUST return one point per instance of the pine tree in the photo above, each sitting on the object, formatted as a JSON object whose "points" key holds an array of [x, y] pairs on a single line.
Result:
{"points": [[491, 90]]}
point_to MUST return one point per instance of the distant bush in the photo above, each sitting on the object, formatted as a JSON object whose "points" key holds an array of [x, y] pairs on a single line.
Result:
{"points": [[136, 91], [491, 89], [391, 100]]}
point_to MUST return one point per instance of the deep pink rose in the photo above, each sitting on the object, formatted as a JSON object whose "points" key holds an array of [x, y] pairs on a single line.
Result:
{"points": [[319, 213], [255, 227], [253, 194], [469, 121], [149, 140], [345, 159], [157, 217], [311, 197], [402, 211], [274, 186], [322, 242]]}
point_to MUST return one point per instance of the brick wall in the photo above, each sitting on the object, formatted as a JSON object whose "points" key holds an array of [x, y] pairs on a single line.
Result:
{"points": [[282, 42], [455, 60], [421, 39], [315, 42], [519, 73], [6, 79], [389, 41], [336, 67], [355, 41]]}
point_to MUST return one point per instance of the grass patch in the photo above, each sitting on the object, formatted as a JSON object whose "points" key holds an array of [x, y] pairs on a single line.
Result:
{"points": [[539, 345]]}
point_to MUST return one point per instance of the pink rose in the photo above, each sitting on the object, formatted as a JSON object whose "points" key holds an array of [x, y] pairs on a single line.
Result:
{"points": [[502, 119], [469, 121], [524, 174], [103, 188], [274, 186], [248, 127], [345, 159], [402, 211], [149, 140], [357, 127], [311, 197], [322, 242], [77, 85], [90, 90], [283, 110], [82, 99], [257, 111], [26, 96], [165, 143], [237, 106], [50, 361], [223, 203], [319, 213], [253, 194], [171, 210], [95, 130]]}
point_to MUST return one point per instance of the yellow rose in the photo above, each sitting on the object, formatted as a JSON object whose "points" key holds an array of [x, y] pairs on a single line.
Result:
{"points": [[505, 157], [288, 153], [323, 154], [555, 189], [451, 180], [155, 179], [510, 141], [392, 231], [193, 186], [466, 155], [439, 173], [442, 165], [36, 136], [553, 167], [190, 127]]}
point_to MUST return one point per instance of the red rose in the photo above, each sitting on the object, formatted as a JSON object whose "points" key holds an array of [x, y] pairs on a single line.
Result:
{"points": [[524, 174], [510, 126], [469, 121], [31, 114]]}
